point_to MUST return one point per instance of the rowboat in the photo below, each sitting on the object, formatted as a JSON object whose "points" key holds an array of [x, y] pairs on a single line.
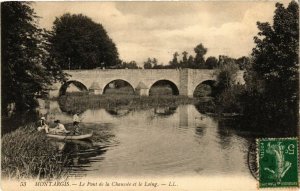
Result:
{"points": [[70, 137]]}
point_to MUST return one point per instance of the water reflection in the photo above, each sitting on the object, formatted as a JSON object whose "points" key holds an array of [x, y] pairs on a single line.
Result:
{"points": [[200, 131], [158, 141], [164, 111], [82, 152], [118, 112], [225, 134]]}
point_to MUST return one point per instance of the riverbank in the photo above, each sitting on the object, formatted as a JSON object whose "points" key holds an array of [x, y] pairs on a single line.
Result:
{"points": [[72, 103], [27, 153]]}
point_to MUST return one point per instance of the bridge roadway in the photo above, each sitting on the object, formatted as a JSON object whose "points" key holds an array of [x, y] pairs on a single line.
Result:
{"points": [[182, 81]]}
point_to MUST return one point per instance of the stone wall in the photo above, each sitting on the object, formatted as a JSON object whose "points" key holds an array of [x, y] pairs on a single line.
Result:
{"points": [[186, 80]]}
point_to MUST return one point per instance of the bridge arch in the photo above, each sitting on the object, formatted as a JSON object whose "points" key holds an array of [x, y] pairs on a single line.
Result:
{"points": [[78, 84], [164, 82], [117, 84], [205, 88]]}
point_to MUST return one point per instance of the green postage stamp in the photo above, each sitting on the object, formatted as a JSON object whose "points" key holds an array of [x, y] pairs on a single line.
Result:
{"points": [[278, 162]]}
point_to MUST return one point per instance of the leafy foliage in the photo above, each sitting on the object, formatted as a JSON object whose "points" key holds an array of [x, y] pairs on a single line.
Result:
{"points": [[230, 100], [25, 72], [153, 64], [243, 62], [199, 62], [127, 65], [148, 64], [226, 73], [272, 79], [190, 61], [211, 62], [79, 43], [200, 51], [174, 62], [276, 54], [184, 62]]}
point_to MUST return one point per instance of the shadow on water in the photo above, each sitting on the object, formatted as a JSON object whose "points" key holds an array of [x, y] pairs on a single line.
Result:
{"points": [[252, 131], [261, 128], [158, 111], [118, 112], [83, 152], [200, 131], [80, 154], [164, 111], [248, 128], [257, 125]]}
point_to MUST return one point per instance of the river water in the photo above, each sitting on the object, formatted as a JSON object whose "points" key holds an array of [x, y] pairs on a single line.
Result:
{"points": [[160, 143], [155, 142]]}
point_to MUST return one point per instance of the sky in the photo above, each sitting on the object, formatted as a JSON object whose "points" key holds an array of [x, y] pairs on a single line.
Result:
{"points": [[158, 29]]}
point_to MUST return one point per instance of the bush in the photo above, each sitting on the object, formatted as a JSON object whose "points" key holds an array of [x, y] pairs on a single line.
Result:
{"points": [[75, 103], [27, 153], [229, 101], [203, 90]]}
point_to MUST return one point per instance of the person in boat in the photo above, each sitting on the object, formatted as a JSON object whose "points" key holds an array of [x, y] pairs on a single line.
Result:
{"points": [[59, 128], [42, 125], [76, 121]]}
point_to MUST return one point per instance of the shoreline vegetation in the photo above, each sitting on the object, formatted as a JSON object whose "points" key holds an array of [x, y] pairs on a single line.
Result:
{"points": [[76, 102], [27, 153]]}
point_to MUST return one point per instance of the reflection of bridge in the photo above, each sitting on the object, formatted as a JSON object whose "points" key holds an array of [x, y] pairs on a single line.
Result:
{"points": [[184, 116], [182, 81]]}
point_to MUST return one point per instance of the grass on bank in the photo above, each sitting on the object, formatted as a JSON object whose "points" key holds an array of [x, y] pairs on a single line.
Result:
{"points": [[27, 153], [80, 102]]}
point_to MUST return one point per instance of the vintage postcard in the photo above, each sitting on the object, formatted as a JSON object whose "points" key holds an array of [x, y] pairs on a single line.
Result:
{"points": [[149, 95]]}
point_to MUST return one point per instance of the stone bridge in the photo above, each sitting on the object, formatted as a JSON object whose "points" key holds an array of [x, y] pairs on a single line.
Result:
{"points": [[182, 81]]}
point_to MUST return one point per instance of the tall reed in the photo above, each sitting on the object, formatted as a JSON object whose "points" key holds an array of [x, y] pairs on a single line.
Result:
{"points": [[27, 153]]}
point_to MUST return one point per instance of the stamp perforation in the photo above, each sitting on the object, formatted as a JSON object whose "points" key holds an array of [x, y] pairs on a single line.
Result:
{"points": [[258, 164]]}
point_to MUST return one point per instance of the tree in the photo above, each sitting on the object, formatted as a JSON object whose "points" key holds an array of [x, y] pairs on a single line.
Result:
{"points": [[25, 74], [148, 64], [154, 63], [225, 60], [243, 62], [275, 57], [160, 66], [184, 62], [79, 43], [127, 65], [199, 60], [174, 62], [190, 62], [226, 74], [274, 68], [211, 62]]}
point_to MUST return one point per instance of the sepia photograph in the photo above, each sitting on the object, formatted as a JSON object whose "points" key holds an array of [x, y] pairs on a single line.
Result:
{"points": [[149, 95]]}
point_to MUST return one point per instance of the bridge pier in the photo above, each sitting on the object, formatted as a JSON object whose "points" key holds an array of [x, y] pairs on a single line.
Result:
{"points": [[95, 89], [142, 89]]}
